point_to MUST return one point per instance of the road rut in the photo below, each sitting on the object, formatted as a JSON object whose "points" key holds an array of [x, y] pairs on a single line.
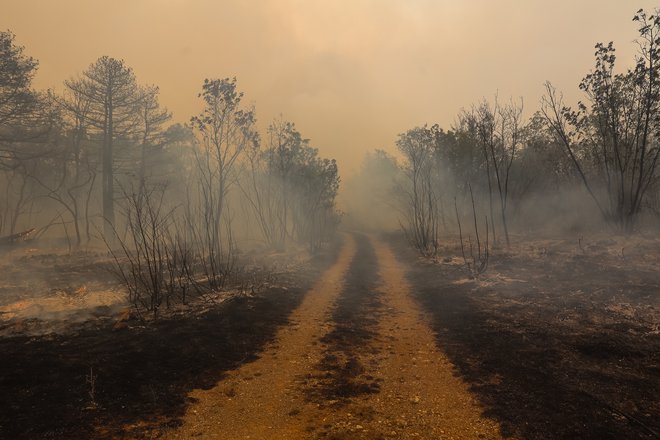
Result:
{"points": [[358, 361]]}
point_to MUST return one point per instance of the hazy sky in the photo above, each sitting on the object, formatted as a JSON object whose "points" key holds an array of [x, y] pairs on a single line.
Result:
{"points": [[350, 73]]}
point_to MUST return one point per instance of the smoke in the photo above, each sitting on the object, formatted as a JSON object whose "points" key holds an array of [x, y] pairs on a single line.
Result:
{"points": [[370, 197], [45, 291], [351, 74]]}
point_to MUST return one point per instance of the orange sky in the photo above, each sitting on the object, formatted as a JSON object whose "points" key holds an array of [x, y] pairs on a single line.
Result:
{"points": [[350, 73]]}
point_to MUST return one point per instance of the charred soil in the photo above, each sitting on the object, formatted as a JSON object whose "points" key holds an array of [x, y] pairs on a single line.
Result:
{"points": [[141, 373], [558, 339], [355, 317]]}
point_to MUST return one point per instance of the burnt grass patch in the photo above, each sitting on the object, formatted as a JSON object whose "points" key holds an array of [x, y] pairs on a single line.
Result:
{"points": [[142, 374], [341, 374], [546, 357]]}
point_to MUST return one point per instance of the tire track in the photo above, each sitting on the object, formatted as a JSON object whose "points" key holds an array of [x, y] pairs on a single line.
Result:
{"points": [[423, 396], [419, 395], [341, 372], [260, 400], [367, 368]]}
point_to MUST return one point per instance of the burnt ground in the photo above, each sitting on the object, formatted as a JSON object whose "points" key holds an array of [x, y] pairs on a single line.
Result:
{"points": [[143, 373], [342, 374], [558, 339], [357, 362]]}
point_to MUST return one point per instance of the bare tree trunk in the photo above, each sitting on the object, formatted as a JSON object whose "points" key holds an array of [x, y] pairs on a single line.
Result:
{"points": [[108, 178]]}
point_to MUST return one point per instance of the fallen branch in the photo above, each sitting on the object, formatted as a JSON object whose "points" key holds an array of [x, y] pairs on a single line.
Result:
{"points": [[16, 238]]}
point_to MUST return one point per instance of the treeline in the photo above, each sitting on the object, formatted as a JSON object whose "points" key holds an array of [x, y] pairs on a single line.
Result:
{"points": [[102, 162], [73, 161], [553, 170]]}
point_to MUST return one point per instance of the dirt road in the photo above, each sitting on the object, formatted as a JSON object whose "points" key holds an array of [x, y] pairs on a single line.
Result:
{"points": [[357, 362]]}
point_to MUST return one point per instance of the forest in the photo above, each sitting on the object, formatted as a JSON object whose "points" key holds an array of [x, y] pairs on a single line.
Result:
{"points": [[496, 277]]}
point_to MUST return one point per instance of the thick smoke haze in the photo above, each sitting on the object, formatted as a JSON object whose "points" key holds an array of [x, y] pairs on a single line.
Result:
{"points": [[351, 74], [296, 219]]}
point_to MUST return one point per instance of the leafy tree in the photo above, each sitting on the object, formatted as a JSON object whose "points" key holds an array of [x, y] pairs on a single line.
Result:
{"points": [[224, 131], [114, 102], [613, 137], [317, 182], [290, 189], [370, 195], [151, 130], [423, 211], [17, 99], [26, 119]]}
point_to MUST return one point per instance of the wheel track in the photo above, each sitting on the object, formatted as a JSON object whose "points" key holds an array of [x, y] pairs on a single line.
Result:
{"points": [[359, 361], [260, 399], [340, 375]]}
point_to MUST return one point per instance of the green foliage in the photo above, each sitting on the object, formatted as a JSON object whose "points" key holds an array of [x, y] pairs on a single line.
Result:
{"points": [[293, 190], [612, 138], [17, 100]]}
